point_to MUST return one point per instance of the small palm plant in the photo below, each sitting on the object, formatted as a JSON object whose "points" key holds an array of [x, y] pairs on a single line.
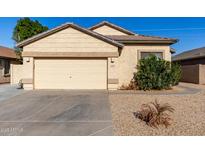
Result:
{"points": [[155, 114]]}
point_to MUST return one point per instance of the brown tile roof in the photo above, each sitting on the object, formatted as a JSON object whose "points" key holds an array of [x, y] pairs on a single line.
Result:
{"points": [[190, 54], [112, 26], [7, 52], [64, 26], [141, 39]]}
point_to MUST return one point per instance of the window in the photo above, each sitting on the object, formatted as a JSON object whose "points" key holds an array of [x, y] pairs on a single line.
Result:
{"points": [[1, 62], [6, 67], [146, 54]]}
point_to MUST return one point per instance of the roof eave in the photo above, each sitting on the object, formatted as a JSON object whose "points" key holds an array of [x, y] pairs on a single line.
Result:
{"points": [[7, 57], [148, 41], [41, 35], [59, 28]]}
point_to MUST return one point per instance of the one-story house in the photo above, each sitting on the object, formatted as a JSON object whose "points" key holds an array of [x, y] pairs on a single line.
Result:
{"points": [[193, 65], [101, 57], [6, 56]]}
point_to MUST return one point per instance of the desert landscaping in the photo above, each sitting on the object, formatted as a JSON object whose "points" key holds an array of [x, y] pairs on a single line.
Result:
{"points": [[188, 101]]}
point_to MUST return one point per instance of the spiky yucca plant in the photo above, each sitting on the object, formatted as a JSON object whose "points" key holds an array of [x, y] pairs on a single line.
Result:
{"points": [[155, 114]]}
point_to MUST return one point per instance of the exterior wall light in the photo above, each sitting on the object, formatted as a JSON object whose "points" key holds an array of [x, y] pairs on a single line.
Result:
{"points": [[112, 61]]}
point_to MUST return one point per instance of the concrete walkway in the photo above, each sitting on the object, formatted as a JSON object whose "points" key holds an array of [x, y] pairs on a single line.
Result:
{"points": [[181, 89], [7, 91]]}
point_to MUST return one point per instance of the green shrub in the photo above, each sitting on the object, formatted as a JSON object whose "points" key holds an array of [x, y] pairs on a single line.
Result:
{"points": [[175, 73], [156, 73]]}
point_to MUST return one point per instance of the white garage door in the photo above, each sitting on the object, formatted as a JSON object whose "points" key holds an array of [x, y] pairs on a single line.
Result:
{"points": [[70, 74]]}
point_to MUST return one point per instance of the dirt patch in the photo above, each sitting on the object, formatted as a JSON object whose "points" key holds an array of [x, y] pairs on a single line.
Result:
{"points": [[188, 118]]}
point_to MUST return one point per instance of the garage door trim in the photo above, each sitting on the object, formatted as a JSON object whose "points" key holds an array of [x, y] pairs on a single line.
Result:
{"points": [[76, 58]]}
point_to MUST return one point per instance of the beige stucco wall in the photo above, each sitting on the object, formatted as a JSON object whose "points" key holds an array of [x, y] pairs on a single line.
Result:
{"points": [[129, 57], [27, 67], [28, 71], [113, 73], [16, 73], [112, 68], [70, 40], [27, 86], [122, 68], [202, 74], [106, 30]]}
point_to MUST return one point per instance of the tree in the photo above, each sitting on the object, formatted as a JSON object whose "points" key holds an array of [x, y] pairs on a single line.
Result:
{"points": [[26, 28]]}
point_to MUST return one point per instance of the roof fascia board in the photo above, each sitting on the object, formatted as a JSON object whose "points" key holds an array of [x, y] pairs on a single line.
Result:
{"points": [[59, 28], [112, 26]]}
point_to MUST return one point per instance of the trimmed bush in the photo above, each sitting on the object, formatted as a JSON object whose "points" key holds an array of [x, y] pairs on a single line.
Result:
{"points": [[156, 73], [175, 73]]}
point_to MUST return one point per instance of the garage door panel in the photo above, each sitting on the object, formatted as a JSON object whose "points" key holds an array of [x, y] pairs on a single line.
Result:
{"points": [[70, 74]]}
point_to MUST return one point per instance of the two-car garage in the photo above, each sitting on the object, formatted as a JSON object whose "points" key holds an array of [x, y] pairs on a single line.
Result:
{"points": [[86, 73], [70, 57]]}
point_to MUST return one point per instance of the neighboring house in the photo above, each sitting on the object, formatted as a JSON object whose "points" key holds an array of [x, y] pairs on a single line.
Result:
{"points": [[193, 65], [101, 57], [6, 56]]}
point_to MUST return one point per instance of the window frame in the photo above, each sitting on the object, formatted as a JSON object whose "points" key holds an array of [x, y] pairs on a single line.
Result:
{"points": [[150, 51]]}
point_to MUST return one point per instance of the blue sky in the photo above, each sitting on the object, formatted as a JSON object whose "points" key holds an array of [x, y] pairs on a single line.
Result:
{"points": [[190, 31]]}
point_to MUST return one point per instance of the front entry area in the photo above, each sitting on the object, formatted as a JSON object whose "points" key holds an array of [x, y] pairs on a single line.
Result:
{"points": [[86, 73]]}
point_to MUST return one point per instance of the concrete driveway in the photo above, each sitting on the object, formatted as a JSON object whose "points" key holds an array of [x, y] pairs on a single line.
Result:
{"points": [[7, 91], [42, 112]]}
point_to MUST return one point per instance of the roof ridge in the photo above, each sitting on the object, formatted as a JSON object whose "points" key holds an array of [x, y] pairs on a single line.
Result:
{"points": [[99, 35], [188, 51], [191, 50], [7, 52], [144, 36], [113, 26], [122, 38], [141, 35], [6, 47], [190, 54], [155, 36], [104, 36]]}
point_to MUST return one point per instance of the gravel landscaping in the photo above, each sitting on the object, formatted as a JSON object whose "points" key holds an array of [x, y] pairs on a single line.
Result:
{"points": [[188, 117]]}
